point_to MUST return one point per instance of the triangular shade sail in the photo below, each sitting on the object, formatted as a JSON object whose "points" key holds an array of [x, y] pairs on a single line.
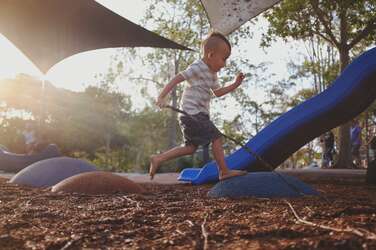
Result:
{"points": [[47, 31], [226, 16]]}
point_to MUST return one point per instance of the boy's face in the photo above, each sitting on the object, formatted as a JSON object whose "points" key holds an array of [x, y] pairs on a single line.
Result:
{"points": [[217, 57]]}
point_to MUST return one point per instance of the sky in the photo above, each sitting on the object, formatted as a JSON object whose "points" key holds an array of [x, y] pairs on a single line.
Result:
{"points": [[70, 74]]}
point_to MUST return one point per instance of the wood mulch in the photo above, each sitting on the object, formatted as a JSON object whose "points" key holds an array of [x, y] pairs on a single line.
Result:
{"points": [[183, 217]]}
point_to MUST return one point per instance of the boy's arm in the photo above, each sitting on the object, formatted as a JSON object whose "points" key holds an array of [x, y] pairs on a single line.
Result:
{"points": [[224, 90], [173, 82]]}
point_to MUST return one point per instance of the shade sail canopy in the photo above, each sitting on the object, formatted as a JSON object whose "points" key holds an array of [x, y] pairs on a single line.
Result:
{"points": [[226, 16], [47, 31]]}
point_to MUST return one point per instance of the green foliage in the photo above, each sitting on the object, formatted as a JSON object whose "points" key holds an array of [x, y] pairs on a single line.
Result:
{"points": [[74, 121], [183, 22], [10, 134], [233, 129], [146, 132], [302, 19], [321, 64], [23, 93], [301, 96]]}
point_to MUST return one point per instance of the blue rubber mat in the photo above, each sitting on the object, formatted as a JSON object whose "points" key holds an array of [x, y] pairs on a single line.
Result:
{"points": [[350, 94], [262, 185]]}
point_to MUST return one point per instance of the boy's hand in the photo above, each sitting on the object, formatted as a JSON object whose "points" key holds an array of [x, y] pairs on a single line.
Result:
{"points": [[161, 102], [239, 78]]}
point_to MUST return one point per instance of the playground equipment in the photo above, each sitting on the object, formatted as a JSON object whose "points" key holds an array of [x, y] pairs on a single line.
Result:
{"points": [[228, 15], [49, 172], [98, 182], [10, 162], [49, 31], [350, 94], [263, 185]]}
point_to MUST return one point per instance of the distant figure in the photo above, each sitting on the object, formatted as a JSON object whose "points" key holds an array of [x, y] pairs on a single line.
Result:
{"points": [[371, 168], [30, 138], [371, 143], [327, 159], [201, 83], [356, 142]]}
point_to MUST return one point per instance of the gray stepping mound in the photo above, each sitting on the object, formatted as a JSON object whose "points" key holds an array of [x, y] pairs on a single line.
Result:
{"points": [[11, 162], [263, 185], [49, 172]]}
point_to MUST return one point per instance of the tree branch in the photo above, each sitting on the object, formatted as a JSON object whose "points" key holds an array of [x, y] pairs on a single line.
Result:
{"points": [[324, 37], [147, 79], [205, 234], [368, 235], [364, 33], [321, 16]]}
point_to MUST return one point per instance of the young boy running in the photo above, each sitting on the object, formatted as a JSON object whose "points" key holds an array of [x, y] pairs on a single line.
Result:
{"points": [[197, 127]]}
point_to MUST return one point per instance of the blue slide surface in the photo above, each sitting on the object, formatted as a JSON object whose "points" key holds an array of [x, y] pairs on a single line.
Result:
{"points": [[350, 94]]}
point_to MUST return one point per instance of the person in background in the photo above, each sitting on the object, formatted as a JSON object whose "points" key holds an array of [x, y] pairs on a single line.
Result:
{"points": [[327, 159], [29, 138], [356, 142], [371, 167]]}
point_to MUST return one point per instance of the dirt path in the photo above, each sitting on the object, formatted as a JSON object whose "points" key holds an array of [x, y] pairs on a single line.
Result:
{"points": [[182, 217]]}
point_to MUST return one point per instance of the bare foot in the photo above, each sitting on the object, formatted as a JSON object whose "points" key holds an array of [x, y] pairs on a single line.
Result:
{"points": [[231, 173], [154, 164]]}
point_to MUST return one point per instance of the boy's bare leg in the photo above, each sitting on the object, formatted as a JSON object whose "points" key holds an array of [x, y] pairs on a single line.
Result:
{"points": [[156, 160], [219, 156]]}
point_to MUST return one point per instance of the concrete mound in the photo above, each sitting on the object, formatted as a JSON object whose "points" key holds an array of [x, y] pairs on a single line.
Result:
{"points": [[263, 185], [11, 162], [98, 182], [49, 172]]}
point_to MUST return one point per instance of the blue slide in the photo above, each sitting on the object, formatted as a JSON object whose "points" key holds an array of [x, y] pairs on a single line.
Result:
{"points": [[350, 94]]}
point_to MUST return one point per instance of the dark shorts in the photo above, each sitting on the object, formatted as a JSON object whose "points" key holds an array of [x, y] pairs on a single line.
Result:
{"points": [[198, 129]]}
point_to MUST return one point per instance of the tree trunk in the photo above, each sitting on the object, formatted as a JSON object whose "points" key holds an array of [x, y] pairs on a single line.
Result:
{"points": [[107, 152], [173, 121], [367, 139], [344, 157], [323, 150]]}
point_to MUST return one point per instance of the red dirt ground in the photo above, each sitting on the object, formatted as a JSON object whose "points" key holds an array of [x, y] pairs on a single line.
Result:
{"points": [[182, 217]]}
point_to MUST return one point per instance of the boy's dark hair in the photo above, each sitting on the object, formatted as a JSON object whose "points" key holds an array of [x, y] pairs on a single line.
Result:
{"points": [[215, 34]]}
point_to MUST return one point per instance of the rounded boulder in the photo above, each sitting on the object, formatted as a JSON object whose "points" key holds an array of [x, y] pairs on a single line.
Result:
{"points": [[98, 182], [51, 171]]}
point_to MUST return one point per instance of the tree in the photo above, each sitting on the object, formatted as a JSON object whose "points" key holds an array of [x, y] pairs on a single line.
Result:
{"points": [[112, 105], [75, 121], [348, 26]]}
